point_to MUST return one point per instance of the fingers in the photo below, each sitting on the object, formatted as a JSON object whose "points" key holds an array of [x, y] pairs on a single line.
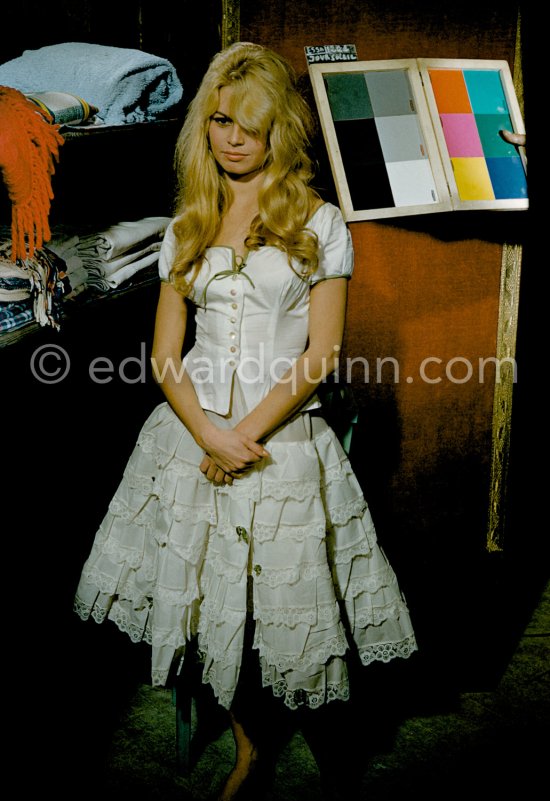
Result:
{"points": [[234, 455], [513, 138], [209, 468], [219, 477], [257, 449], [214, 473]]}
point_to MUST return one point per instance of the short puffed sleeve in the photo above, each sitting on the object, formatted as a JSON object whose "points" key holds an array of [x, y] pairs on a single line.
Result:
{"points": [[335, 245], [167, 252]]}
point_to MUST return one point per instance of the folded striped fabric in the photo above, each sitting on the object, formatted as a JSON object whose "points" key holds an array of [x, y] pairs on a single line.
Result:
{"points": [[38, 283], [15, 315], [15, 286], [14, 289], [15, 280], [64, 108]]}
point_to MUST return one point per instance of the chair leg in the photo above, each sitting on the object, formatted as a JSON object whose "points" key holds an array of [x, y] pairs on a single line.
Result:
{"points": [[182, 700]]}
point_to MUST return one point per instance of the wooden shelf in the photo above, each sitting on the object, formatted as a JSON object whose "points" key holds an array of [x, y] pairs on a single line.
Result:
{"points": [[72, 132], [106, 173]]}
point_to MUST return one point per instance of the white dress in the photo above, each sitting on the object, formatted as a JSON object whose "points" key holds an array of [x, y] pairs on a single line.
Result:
{"points": [[291, 544]]}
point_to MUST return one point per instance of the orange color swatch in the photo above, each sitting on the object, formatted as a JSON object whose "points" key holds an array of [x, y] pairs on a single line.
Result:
{"points": [[450, 91]]}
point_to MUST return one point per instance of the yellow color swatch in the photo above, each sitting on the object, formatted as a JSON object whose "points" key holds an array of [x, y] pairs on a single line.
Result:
{"points": [[472, 179]]}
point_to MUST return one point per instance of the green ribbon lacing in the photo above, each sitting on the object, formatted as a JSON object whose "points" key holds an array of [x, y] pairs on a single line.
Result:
{"points": [[239, 263]]}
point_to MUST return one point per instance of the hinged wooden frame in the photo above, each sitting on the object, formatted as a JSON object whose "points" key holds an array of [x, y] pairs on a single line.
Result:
{"points": [[342, 156], [502, 67], [409, 67]]}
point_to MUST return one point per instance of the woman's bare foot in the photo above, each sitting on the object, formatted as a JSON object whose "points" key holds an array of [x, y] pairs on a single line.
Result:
{"points": [[247, 756]]}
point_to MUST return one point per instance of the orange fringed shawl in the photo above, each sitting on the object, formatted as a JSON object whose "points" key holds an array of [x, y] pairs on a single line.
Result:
{"points": [[29, 144]]}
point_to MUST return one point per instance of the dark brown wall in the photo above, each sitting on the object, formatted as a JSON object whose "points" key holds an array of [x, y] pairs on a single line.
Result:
{"points": [[384, 29]]}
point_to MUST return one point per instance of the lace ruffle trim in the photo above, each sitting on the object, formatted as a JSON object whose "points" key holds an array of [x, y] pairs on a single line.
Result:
{"points": [[384, 652], [269, 616], [122, 620], [338, 515], [335, 646], [140, 594], [341, 514], [291, 617], [224, 696], [211, 613], [385, 577], [346, 555], [292, 698], [233, 574], [159, 638], [263, 532], [165, 460], [220, 656], [297, 490], [159, 677], [335, 474], [376, 615], [290, 575], [82, 609], [191, 513], [308, 698]]}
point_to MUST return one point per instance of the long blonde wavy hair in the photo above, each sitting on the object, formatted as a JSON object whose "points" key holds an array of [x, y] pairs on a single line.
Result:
{"points": [[266, 104]]}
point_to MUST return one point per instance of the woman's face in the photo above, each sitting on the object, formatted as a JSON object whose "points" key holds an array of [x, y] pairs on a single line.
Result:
{"points": [[237, 152]]}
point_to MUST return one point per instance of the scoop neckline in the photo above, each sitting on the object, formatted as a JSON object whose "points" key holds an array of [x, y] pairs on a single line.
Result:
{"points": [[247, 253]]}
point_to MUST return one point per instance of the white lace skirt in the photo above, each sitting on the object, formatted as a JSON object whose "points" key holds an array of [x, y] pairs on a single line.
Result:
{"points": [[291, 543]]}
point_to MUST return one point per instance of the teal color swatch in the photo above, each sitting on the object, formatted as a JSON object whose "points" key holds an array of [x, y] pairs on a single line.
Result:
{"points": [[485, 91], [489, 127]]}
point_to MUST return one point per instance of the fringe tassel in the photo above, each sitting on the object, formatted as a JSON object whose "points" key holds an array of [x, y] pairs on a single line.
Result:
{"points": [[29, 146]]}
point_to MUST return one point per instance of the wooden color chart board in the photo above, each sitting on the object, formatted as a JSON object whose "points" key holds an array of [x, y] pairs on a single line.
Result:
{"points": [[415, 136]]}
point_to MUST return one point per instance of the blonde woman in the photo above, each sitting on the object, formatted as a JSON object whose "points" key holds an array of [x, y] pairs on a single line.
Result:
{"points": [[239, 520]]}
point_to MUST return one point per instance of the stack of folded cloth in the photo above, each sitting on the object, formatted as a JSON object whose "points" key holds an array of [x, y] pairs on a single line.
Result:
{"points": [[117, 253], [31, 289], [16, 307], [64, 243]]}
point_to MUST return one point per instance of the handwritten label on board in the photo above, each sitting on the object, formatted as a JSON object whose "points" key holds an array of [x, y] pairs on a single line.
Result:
{"points": [[317, 54]]}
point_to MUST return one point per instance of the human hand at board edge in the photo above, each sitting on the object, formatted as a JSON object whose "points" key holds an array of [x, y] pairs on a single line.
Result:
{"points": [[513, 138]]}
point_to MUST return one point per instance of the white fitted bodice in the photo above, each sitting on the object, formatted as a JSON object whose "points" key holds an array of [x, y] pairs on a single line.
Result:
{"points": [[252, 322]]}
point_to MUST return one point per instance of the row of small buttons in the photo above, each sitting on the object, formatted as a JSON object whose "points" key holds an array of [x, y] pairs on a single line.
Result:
{"points": [[233, 320]]}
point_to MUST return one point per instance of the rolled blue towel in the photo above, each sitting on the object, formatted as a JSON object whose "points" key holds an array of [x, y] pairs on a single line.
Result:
{"points": [[126, 85]]}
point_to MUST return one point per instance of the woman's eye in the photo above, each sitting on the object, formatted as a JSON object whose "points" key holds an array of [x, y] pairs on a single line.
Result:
{"points": [[222, 120]]}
